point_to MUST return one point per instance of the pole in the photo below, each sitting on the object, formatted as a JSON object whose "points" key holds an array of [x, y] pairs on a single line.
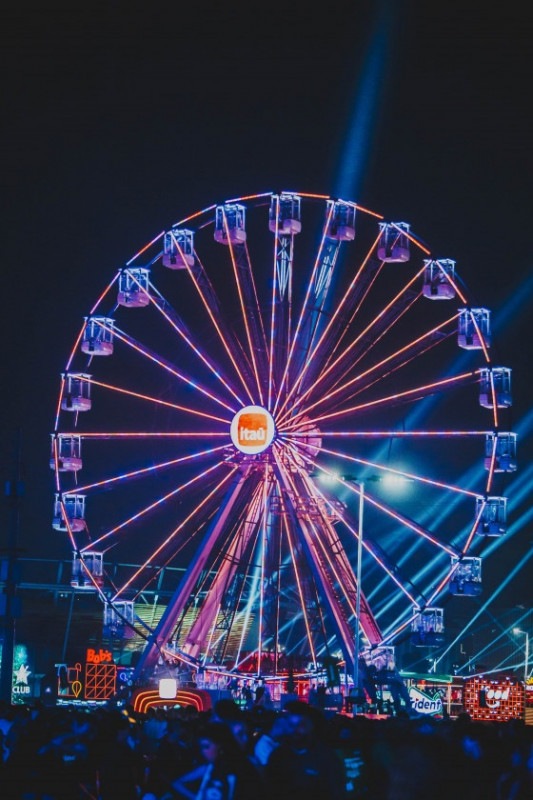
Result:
{"points": [[67, 628], [14, 492], [526, 663], [357, 647]]}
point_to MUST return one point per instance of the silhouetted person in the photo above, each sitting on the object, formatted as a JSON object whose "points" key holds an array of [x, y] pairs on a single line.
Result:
{"points": [[304, 766]]}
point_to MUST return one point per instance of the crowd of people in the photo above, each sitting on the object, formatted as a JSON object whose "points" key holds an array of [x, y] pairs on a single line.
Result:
{"points": [[299, 752]]}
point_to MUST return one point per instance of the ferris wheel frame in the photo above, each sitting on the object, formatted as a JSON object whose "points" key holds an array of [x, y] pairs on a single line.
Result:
{"points": [[291, 374]]}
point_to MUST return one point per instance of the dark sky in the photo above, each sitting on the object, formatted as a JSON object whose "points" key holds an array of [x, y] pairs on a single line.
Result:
{"points": [[121, 118]]}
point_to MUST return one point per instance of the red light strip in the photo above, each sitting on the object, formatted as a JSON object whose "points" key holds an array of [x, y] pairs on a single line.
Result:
{"points": [[219, 331], [155, 400], [400, 473], [381, 314], [145, 248], [176, 530], [355, 534], [251, 347], [373, 369], [169, 368], [147, 435], [145, 700], [474, 529], [273, 307], [196, 215], [305, 304], [153, 468], [411, 238], [407, 393], [333, 319], [155, 504], [190, 343], [292, 550], [455, 286], [76, 343], [355, 341]]}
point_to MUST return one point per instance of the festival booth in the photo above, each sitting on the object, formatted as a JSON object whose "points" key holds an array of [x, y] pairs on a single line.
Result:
{"points": [[529, 701], [494, 700], [482, 698], [435, 695]]}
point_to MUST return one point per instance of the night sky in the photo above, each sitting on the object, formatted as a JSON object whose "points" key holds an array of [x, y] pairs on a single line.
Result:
{"points": [[120, 118]]}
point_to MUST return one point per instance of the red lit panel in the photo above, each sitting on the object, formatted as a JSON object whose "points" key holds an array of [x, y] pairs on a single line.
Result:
{"points": [[494, 700], [100, 681]]}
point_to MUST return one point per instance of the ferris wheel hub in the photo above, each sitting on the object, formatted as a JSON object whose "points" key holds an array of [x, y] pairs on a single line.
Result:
{"points": [[252, 429]]}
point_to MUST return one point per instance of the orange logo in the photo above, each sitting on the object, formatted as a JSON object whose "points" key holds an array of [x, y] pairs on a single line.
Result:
{"points": [[252, 428]]}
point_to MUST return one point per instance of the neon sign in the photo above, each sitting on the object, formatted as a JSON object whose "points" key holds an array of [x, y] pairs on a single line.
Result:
{"points": [[96, 680], [20, 688], [494, 700], [98, 657], [425, 703]]}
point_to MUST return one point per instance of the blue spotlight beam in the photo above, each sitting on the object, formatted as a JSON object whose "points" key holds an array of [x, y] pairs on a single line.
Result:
{"points": [[369, 98]]}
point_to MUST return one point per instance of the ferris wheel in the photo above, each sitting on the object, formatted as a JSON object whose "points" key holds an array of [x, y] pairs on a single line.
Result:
{"points": [[286, 405]]}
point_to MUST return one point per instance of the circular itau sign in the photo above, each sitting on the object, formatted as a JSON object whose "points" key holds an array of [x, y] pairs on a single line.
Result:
{"points": [[252, 429]]}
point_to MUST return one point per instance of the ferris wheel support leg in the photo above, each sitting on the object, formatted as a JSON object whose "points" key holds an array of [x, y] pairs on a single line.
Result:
{"points": [[158, 638]]}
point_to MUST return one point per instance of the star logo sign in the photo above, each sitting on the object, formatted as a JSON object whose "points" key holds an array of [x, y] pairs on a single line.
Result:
{"points": [[22, 674]]}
